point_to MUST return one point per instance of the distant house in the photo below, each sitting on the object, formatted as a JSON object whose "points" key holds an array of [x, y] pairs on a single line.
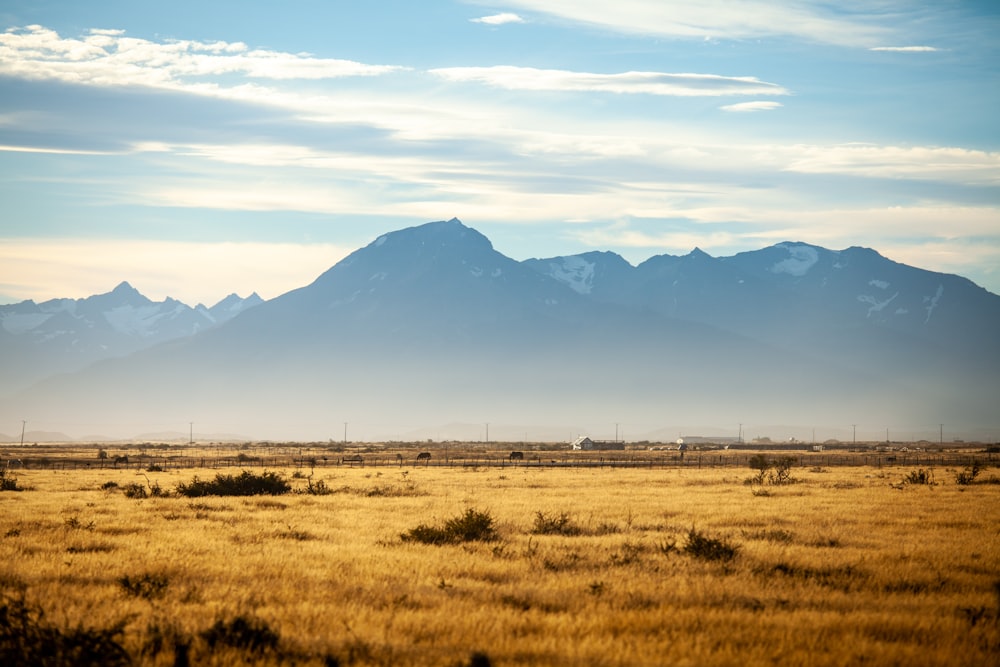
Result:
{"points": [[585, 443]]}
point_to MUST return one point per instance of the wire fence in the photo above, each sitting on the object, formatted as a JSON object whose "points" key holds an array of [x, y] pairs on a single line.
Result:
{"points": [[526, 460]]}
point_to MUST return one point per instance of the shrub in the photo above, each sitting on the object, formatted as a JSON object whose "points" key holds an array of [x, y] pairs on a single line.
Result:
{"points": [[920, 476], [554, 525], [8, 482], [777, 472], [109, 486], [244, 484], [146, 586], [249, 634], [761, 464], [26, 638], [134, 490], [318, 488], [783, 470], [703, 547], [968, 476], [471, 526]]}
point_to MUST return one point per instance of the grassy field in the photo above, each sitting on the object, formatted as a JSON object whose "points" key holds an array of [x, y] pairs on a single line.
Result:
{"points": [[561, 566]]}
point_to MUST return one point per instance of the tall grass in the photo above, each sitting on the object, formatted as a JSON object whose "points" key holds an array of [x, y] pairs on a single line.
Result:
{"points": [[801, 576]]}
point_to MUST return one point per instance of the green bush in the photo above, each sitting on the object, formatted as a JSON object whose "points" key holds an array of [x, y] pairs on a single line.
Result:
{"points": [[471, 526], [244, 484]]}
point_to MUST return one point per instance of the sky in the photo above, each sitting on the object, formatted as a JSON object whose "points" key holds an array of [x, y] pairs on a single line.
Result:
{"points": [[196, 149]]}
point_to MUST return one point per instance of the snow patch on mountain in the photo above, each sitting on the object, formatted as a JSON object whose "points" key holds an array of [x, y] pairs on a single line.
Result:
{"points": [[801, 259], [130, 320], [932, 302], [876, 305], [575, 272]]}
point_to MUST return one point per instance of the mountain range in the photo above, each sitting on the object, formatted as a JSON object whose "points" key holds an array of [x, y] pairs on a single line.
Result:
{"points": [[65, 335], [430, 326]]}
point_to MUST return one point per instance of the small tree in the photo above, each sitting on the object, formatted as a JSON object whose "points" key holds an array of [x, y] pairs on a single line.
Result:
{"points": [[783, 470], [761, 464]]}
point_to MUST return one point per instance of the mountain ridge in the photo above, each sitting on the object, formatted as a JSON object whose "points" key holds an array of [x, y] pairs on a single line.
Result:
{"points": [[431, 325]]}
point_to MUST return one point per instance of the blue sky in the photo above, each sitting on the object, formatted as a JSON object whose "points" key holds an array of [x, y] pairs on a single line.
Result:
{"points": [[201, 148]]}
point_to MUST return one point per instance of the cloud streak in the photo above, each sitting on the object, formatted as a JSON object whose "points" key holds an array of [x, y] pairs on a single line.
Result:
{"points": [[810, 20], [499, 19], [649, 83], [905, 49], [747, 107]]}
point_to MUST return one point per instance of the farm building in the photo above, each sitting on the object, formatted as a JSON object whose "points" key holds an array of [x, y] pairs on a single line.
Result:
{"points": [[585, 443]]}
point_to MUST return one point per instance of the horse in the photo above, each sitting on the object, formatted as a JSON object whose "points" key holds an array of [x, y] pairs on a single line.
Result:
{"points": [[424, 456]]}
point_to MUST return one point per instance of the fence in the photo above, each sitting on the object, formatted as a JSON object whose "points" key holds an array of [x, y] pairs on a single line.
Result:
{"points": [[541, 460]]}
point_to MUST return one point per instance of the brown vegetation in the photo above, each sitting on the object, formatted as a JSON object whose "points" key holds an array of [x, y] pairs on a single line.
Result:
{"points": [[608, 566]]}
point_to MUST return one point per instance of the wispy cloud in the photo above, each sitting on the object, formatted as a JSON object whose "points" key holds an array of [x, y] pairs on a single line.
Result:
{"points": [[650, 83], [812, 20], [905, 49], [499, 19], [898, 162], [745, 107]]}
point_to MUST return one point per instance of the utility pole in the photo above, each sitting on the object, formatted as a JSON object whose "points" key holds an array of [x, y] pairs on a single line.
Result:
{"points": [[941, 434], [345, 433], [616, 432], [739, 438], [487, 434], [23, 423], [191, 433], [854, 438]]}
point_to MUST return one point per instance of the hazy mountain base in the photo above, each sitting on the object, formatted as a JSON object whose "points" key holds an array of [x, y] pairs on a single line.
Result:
{"points": [[689, 375]]}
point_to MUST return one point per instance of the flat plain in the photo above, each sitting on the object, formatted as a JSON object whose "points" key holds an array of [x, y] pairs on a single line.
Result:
{"points": [[602, 565]]}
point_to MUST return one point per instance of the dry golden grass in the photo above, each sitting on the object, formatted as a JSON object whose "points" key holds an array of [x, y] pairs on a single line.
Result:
{"points": [[846, 566]]}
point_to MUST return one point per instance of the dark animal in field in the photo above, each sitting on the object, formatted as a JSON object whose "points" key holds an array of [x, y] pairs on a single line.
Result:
{"points": [[353, 459], [120, 459], [424, 456], [517, 456]]}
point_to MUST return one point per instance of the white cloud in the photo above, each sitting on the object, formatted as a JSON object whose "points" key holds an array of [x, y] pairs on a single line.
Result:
{"points": [[813, 20], [107, 57], [744, 107], [499, 19], [651, 83], [905, 49]]}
